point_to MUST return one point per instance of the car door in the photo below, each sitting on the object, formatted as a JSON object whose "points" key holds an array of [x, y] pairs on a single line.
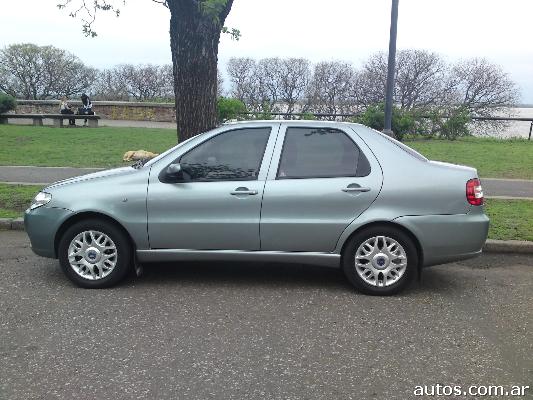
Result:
{"points": [[217, 204], [320, 180]]}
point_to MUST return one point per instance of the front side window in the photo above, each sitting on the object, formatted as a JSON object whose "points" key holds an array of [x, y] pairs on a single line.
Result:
{"points": [[232, 155], [320, 153]]}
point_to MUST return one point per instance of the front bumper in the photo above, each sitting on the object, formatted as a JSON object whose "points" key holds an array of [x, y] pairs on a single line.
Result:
{"points": [[41, 225], [448, 238]]}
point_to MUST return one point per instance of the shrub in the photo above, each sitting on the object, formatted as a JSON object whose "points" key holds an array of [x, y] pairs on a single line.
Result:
{"points": [[455, 124], [447, 123], [7, 103], [307, 116], [229, 109], [403, 121]]}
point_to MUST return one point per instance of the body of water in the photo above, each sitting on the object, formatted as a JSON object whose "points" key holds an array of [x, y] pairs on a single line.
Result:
{"points": [[516, 128]]}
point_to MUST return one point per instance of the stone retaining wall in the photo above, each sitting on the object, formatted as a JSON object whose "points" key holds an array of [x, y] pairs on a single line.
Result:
{"points": [[122, 110]]}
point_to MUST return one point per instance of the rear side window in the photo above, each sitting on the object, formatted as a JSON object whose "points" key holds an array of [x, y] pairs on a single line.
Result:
{"points": [[404, 147], [320, 153], [232, 155]]}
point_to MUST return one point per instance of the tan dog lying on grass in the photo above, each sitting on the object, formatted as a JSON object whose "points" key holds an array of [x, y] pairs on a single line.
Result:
{"points": [[138, 155]]}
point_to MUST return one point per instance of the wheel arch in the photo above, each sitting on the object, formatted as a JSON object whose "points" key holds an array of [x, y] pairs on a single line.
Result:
{"points": [[389, 224], [88, 215]]}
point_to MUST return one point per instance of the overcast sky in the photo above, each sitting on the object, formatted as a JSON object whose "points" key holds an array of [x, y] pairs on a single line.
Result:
{"points": [[319, 30]]}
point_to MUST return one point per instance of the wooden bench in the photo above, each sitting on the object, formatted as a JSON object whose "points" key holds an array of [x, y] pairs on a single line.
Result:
{"points": [[57, 118]]}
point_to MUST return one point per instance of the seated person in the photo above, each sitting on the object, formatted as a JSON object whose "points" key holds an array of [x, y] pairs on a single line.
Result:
{"points": [[86, 107], [66, 109]]}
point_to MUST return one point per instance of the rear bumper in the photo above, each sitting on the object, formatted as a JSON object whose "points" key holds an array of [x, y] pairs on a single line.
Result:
{"points": [[41, 226], [448, 238]]}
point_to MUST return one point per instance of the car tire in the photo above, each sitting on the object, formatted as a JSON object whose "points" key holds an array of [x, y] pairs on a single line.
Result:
{"points": [[95, 254], [380, 260]]}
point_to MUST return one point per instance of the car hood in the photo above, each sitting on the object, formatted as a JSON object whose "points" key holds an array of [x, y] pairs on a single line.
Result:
{"points": [[95, 175]]}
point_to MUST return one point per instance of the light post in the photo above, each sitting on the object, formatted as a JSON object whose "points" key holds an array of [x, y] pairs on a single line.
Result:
{"points": [[391, 69]]}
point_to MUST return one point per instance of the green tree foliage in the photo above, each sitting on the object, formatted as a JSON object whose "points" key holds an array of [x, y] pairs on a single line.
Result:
{"points": [[7, 103], [403, 121], [307, 116], [451, 123], [444, 122], [229, 109], [36, 72]]}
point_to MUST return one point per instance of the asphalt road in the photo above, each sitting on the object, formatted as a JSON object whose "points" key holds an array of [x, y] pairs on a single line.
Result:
{"points": [[46, 175], [507, 187], [40, 175], [241, 331]]}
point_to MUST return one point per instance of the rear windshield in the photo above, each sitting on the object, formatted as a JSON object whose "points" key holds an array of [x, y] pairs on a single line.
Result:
{"points": [[404, 147]]}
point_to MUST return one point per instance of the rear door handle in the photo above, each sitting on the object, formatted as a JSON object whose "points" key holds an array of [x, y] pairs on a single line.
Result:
{"points": [[243, 190], [354, 187]]}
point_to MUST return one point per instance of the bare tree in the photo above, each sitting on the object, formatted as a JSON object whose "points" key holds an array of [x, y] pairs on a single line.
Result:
{"points": [[245, 83], [370, 81], [29, 71], [110, 86], [220, 84], [267, 72], [420, 79], [241, 74], [294, 77], [331, 89], [139, 82], [280, 83], [482, 87], [424, 81], [167, 80]]}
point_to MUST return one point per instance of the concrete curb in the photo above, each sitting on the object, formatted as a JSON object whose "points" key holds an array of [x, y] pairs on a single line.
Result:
{"points": [[13, 224], [491, 246], [508, 246]]}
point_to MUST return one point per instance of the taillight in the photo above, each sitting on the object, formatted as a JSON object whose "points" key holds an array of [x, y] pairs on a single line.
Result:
{"points": [[474, 192]]}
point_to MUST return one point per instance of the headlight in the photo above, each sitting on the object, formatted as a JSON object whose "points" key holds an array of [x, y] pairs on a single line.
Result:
{"points": [[41, 199]]}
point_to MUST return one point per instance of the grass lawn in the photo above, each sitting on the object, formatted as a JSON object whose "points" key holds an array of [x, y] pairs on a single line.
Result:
{"points": [[77, 147], [509, 219], [493, 158], [104, 147], [14, 199]]}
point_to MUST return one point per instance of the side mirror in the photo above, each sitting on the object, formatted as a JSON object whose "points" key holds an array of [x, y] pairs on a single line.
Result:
{"points": [[172, 174], [174, 170]]}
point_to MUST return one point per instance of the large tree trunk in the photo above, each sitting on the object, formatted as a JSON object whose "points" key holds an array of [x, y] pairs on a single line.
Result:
{"points": [[194, 39]]}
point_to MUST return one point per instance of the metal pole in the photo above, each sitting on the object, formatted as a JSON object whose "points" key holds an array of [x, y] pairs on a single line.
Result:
{"points": [[391, 69], [530, 129]]}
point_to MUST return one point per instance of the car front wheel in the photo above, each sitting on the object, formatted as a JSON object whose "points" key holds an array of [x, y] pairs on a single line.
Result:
{"points": [[94, 254], [380, 261]]}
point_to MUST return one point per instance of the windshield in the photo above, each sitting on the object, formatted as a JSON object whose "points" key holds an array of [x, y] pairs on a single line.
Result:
{"points": [[160, 156]]}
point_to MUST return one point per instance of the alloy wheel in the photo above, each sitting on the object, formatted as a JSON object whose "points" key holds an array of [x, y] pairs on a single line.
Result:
{"points": [[380, 261], [92, 255]]}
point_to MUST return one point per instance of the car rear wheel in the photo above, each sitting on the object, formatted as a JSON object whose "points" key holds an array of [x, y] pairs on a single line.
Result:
{"points": [[94, 254], [380, 261]]}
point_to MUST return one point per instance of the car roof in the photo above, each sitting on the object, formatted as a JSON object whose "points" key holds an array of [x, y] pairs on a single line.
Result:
{"points": [[293, 122]]}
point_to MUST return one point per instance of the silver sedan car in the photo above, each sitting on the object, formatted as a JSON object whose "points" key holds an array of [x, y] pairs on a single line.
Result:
{"points": [[325, 193]]}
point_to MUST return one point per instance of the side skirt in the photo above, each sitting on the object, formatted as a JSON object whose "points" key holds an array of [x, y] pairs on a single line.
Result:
{"points": [[162, 255]]}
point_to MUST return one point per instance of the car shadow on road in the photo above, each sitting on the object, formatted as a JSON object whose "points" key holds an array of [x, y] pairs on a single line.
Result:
{"points": [[240, 275], [243, 274], [274, 275]]}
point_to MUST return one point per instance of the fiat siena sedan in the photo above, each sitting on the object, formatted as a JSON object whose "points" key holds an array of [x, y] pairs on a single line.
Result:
{"points": [[325, 193]]}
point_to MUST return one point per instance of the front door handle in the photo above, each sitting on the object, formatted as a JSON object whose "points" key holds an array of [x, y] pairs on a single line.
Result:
{"points": [[243, 190], [354, 187]]}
